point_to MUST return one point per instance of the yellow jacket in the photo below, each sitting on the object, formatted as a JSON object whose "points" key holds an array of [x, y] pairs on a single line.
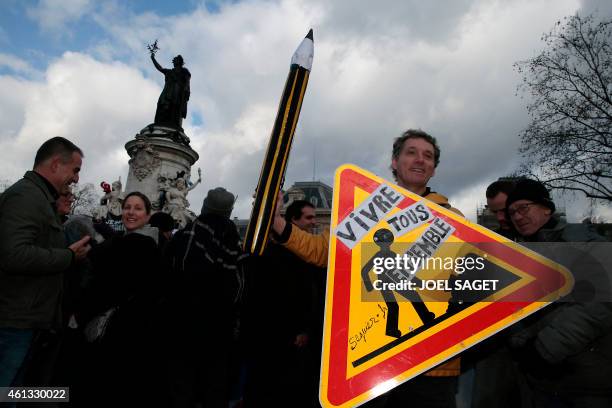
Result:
{"points": [[314, 248]]}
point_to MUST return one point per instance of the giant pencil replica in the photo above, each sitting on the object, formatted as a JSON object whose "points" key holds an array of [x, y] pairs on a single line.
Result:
{"points": [[275, 161]]}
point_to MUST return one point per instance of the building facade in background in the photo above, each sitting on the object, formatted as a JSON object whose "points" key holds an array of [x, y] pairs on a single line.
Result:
{"points": [[319, 194]]}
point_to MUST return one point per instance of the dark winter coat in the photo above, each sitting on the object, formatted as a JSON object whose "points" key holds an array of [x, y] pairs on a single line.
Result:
{"points": [[33, 256], [128, 272], [207, 276], [567, 347], [279, 284]]}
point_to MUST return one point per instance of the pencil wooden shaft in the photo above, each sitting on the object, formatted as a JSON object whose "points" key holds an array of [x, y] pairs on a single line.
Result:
{"points": [[275, 161]]}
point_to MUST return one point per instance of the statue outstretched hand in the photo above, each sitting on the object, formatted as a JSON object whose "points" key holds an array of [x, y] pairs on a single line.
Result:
{"points": [[153, 48]]}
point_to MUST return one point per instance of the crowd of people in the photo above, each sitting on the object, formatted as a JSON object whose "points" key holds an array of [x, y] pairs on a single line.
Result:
{"points": [[154, 316]]}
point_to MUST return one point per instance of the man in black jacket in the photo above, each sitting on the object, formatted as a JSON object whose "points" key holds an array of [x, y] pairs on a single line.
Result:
{"points": [[283, 298], [33, 257]]}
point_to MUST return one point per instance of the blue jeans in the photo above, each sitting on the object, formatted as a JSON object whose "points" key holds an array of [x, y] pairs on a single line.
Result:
{"points": [[14, 346]]}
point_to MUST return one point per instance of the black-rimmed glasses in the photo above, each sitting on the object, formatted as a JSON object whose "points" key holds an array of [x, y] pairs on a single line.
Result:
{"points": [[521, 209]]}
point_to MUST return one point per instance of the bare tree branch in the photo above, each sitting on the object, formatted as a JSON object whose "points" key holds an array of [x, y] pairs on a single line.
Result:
{"points": [[569, 138], [85, 199]]}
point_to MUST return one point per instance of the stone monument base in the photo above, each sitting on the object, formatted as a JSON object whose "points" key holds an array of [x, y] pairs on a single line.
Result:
{"points": [[158, 155]]}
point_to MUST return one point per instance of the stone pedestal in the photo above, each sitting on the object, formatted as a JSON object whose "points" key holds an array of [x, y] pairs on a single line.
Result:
{"points": [[158, 154]]}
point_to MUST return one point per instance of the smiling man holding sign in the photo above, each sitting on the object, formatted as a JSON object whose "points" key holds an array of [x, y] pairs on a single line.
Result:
{"points": [[415, 156]]}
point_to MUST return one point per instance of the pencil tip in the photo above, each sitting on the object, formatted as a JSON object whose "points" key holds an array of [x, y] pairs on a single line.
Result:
{"points": [[309, 35]]}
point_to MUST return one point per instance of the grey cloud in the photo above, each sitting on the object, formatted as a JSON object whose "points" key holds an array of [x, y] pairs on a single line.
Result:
{"points": [[413, 19], [379, 68], [601, 7]]}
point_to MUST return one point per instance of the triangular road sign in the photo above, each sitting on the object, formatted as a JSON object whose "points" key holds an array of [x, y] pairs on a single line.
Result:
{"points": [[377, 337]]}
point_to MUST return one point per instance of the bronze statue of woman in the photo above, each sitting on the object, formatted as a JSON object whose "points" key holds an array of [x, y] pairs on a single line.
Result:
{"points": [[172, 103]]}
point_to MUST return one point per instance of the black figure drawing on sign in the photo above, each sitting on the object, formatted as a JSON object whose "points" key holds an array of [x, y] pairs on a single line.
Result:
{"points": [[384, 238]]}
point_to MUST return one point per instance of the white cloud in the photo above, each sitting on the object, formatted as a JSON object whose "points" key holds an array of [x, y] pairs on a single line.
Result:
{"points": [[15, 64], [52, 15], [98, 106]]}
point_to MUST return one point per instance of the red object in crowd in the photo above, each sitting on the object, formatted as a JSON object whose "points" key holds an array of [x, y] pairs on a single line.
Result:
{"points": [[105, 186]]}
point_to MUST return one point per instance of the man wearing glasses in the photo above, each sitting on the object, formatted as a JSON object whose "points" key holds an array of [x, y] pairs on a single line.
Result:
{"points": [[531, 212], [564, 350]]}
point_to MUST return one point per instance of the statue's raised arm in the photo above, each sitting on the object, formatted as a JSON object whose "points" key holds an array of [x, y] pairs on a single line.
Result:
{"points": [[159, 67], [191, 186]]}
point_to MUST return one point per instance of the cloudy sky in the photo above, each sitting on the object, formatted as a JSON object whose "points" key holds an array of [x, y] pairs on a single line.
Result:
{"points": [[80, 69]]}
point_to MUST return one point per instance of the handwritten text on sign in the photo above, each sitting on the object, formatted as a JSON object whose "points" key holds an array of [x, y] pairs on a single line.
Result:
{"points": [[361, 220]]}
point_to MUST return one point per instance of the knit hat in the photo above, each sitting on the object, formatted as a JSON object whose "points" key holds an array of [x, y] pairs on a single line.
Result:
{"points": [[163, 221], [219, 201], [532, 190]]}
